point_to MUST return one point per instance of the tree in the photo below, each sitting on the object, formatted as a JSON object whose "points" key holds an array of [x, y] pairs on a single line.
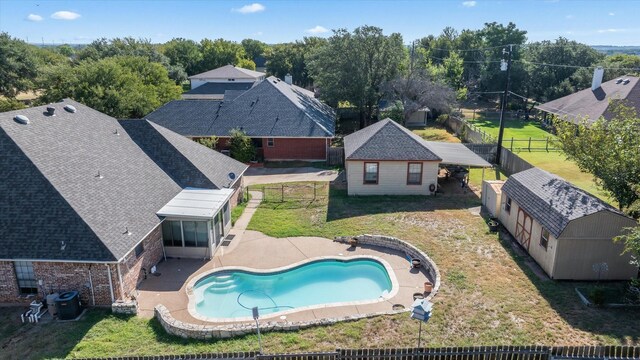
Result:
{"points": [[220, 52], [240, 146], [17, 66], [621, 61], [631, 239], [293, 59], [8, 104], [121, 86], [608, 149], [353, 67], [496, 38], [254, 49], [183, 52], [211, 142]]}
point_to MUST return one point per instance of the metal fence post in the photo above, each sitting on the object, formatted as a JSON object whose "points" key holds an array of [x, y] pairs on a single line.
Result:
{"points": [[547, 145], [282, 197], [512, 143], [529, 143]]}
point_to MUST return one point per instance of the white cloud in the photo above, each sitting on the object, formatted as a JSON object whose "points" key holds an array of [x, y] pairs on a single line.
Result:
{"points": [[250, 9], [34, 17], [259, 33], [612, 14], [317, 30], [569, 16], [602, 31], [468, 3], [65, 15]]}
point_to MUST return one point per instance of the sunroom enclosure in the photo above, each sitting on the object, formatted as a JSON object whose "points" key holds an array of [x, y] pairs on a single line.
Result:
{"points": [[195, 222]]}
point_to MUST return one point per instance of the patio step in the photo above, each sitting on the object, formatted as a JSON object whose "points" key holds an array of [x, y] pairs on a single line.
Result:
{"points": [[221, 289]]}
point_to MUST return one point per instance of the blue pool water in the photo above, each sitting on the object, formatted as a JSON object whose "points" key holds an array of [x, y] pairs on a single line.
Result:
{"points": [[232, 293]]}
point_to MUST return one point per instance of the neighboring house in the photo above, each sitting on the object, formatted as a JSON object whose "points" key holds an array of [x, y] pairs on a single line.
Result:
{"points": [[595, 102], [286, 122], [388, 159], [88, 202], [566, 230], [213, 84]]}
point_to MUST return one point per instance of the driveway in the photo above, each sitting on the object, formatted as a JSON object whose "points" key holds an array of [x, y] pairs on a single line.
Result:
{"points": [[254, 176]]}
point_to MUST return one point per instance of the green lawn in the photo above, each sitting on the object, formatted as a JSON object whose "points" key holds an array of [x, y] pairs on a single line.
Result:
{"points": [[516, 128], [488, 295]]}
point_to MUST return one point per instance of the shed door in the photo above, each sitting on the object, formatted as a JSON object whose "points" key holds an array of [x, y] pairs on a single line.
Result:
{"points": [[523, 228]]}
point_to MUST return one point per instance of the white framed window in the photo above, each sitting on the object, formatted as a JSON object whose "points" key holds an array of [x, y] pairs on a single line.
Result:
{"points": [[544, 238], [26, 277], [414, 173], [270, 142], [370, 173]]}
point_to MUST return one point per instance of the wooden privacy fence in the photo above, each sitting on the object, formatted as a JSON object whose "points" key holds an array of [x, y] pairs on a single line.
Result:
{"points": [[446, 353], [335, 156], [485, 151], [511, 163]]}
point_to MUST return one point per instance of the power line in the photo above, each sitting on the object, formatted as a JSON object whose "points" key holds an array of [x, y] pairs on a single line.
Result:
{"points": [[575, 66], [469, 61]]}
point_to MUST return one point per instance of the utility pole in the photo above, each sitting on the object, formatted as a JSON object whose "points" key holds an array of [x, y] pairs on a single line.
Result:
{"points": [[505, 96]]}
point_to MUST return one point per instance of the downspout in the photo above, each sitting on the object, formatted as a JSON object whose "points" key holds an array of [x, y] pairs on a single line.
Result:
{"points": [[93, 297], [113, 299], [120, 278]]}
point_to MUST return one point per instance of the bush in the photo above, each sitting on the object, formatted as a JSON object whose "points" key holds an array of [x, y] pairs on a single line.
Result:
{"points": [[10, 104], [209, 142], [240, 146], [442, 119]]}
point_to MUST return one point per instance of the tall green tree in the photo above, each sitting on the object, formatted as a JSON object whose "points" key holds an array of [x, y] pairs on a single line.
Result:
{"points": [[496, 38], [220, 52], [293, 58], [183, 52], [353, 66], [254, 49], [120, 86], [608, 149], [17, 66], [619, 63]]}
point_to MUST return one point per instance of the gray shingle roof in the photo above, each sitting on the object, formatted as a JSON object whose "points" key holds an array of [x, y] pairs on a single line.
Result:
{"points": [[594, 103], [551, 200], [188, 163], [229, 72], [58, 208], [387, 140], [219, 88], [272, 108]]}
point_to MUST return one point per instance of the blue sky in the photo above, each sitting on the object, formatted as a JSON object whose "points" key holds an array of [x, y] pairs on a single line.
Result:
{"points": [[601, 22]]}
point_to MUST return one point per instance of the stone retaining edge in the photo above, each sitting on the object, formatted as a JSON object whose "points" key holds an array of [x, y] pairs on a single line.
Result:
{"points": [[224, 331]]}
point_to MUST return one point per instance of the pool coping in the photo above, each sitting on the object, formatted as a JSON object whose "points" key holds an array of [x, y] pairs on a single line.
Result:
{"points": [[191, 307]]}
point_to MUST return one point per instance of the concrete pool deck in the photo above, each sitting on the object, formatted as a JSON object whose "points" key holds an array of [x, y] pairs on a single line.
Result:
{"points": [[259, 251], [254, 249]]}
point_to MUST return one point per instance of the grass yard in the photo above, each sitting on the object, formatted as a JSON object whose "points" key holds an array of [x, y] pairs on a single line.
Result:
{"points": [[435, 133], [516, 128], [488, 295]]}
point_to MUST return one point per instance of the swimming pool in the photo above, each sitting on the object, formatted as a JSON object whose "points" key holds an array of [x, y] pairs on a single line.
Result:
{"points": [[232, 293]]}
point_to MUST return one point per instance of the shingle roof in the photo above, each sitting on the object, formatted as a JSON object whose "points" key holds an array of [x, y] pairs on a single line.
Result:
{"points": [[551, 200], [229, 72], [188, 163], [272, 108], [595, 103], [219, 88], [387, 140], [56, 207]]}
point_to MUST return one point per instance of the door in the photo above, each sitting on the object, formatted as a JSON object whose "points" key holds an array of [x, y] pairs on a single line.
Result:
{"points": [[523, 228]]}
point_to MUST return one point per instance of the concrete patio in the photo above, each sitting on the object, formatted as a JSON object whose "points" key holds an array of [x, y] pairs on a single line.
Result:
{"points": [[256, 250]]}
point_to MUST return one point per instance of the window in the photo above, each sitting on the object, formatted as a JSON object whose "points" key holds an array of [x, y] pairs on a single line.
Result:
{"points": [[544, 238], [195, 233], [171, 233], [270, 142], [414, 174], [26, 278], [507, 205], [139, 249], [370, 173]]}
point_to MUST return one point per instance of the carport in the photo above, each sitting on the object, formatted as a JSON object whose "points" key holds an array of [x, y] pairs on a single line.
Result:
{"points": [[457, 154]]}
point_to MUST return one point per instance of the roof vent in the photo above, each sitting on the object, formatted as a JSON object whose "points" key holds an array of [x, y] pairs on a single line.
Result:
{"points": [[625, 81], [126, 231], [99, 176], [63, 245], [21, 119], [70, 108], [618, 81], [116, 132], [51, 111]]}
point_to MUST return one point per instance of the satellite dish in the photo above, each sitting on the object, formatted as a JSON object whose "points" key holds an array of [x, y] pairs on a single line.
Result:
{"points": [[231, 176]]}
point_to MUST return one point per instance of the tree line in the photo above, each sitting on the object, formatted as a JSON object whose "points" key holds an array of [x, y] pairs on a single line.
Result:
{"points": [[365, 69]]}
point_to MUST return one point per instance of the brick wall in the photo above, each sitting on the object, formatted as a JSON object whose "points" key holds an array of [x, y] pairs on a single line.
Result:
{"points": [[132, 265], [8, 283], [296, 149]]}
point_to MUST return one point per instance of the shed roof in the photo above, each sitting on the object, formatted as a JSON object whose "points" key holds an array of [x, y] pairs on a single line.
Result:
{"points": [[551, 200], [593, 104], [196, 203], [74, 183], [388, 140], [229, 72]]}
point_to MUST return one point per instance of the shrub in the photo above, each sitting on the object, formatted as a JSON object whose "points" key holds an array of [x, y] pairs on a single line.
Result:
{"points": [[209, 142], [442, 119], [240, 146], [597, 296]]}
